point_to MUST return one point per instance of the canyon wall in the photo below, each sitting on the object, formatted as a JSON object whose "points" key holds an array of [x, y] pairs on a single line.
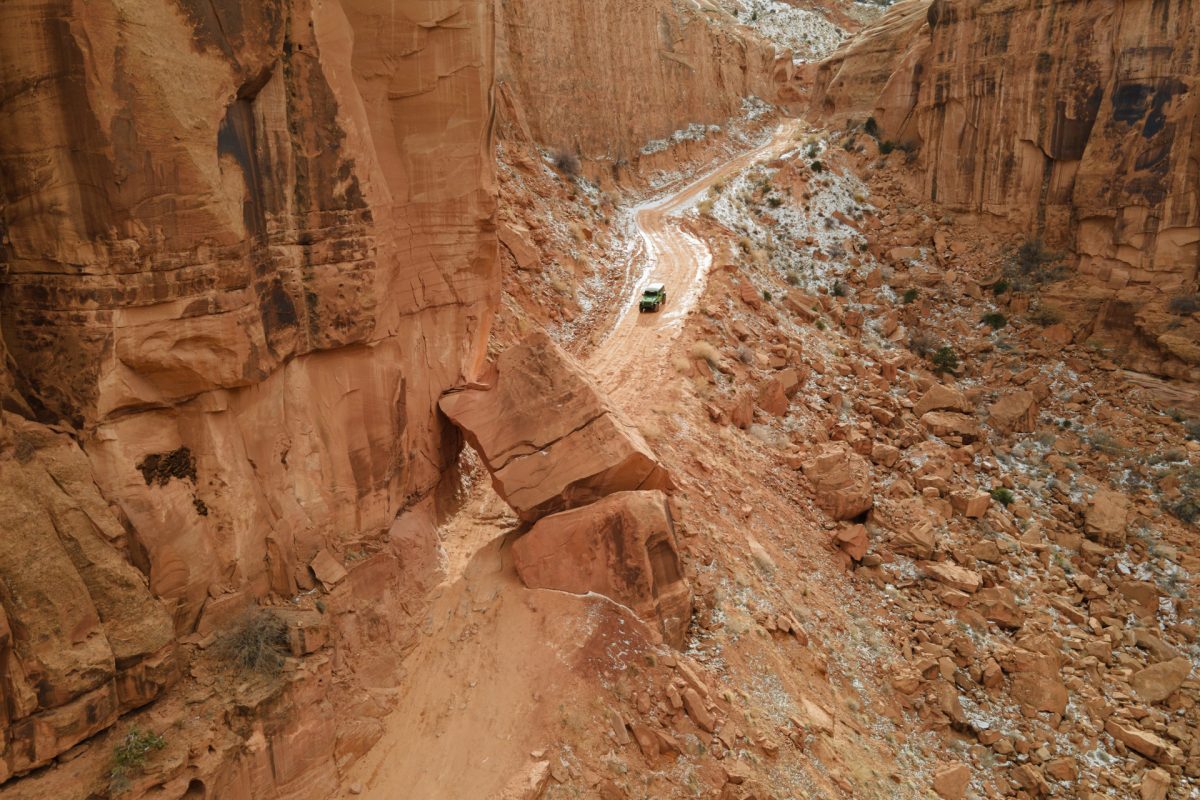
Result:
{"points": [[604, 79], [1076, 121], [244, 247]]}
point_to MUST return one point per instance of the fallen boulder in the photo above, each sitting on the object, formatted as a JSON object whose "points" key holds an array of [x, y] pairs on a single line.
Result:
{"points": [[547, 435], [622, 547], [842, 481]]}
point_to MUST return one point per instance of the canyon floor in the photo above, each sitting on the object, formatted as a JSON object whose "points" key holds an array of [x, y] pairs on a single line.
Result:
{"points": [[964, 639]]}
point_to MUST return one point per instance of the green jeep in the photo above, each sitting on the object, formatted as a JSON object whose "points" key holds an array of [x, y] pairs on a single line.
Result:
{"points": [[653, 298]]}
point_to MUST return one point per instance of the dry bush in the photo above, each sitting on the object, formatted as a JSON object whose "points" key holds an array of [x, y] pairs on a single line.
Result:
{"points": [[567, 163], [1045, 315], [704, 350], [258, 643], [922, 343]]}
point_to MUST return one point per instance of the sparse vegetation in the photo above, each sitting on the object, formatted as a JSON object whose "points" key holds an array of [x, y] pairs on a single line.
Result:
{"points": [[567, 163], [871, 127], [1191, 429], [886, 147], [945, 360], [1003, 496], [130, 754], [258, 643], [1187, 506], [1104, 443], [910, 295], [817, 166], [994, 320], [766, 295], [923, 343], [1031, 265], [1000, 287], [838, 289], [774, 201]]}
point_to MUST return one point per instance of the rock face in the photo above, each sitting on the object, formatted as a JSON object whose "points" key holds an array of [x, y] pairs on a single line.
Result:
{"points": [[622, 547], [244, 290], [547, 436], [1074, 120], [651, 67], [81, 638]]}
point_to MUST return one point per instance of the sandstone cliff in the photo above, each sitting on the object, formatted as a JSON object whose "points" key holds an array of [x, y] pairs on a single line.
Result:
{"points": [[1076, 122], [604, 79], [245, 247]]}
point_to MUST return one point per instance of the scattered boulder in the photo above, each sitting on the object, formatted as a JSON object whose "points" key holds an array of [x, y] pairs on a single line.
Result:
{"points": [[841, 480], [1015, 412], [950, 423], [622, 547], [1159, 681], [951, 781], [942, 398], [1107, 517], [548, 437]]}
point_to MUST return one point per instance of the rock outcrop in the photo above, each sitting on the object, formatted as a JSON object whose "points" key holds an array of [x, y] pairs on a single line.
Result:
{"points": [[1077, 122], [622, 547], [244, 291], [842, 481], [549, 438]]}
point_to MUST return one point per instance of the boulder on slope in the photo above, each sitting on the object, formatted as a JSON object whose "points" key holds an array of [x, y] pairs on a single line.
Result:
{"points": [[547, 435]]}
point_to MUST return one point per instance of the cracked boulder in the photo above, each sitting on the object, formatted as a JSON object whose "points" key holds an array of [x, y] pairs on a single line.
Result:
{"points": [[547, 435], [622, 547]]}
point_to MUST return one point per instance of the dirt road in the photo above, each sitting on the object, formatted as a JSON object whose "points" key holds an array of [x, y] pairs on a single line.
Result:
{"points": [[488, 677], [628, 356]]}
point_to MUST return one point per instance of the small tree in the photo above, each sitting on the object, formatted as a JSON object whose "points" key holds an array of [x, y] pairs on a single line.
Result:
{"points": [[945, 360]]}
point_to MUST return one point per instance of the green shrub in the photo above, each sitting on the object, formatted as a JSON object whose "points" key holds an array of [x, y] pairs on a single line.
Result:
{"points": [[839, 289], [258, 643], [774, 202], [1000, 287], [821, 325], [130, 754], [1002, 496], [910, 295], [817, 166], [871, 127], [945, 360], [886, 147], [994, 320], [766, 295], [567, 163], [1191, 429]]}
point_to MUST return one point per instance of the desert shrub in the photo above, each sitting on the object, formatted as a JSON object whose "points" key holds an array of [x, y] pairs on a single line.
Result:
{"points": [[871, 127], [705, 207], [1031, 264], [1104, 443], [130, 754], [1045, 315], [839, 289], [994, 320], [1187, 507], [817, 166], [793, 278], [567, 163], [1191, 429], [1000, 287], [1184, 304], [774, 202], [705, 351], [257, 643], [1002, 496], [766, 295], [813, 150], [923, 343], [745, 355], [745, 245], [821, 325], [910, 295], [945, 360], [886, 147]]}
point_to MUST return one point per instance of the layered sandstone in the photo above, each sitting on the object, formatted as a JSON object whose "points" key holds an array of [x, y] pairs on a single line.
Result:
{"points": [[245, 248], [548, 436], [1077, 122]]}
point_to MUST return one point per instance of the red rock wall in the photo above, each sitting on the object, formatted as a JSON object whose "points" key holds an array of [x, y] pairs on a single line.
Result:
{"points": [[1077, 120], [245, 247], [603, 79]]}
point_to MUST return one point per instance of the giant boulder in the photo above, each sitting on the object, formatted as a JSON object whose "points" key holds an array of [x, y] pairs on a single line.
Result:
{"points": [[547, 435], [622, 547]]}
